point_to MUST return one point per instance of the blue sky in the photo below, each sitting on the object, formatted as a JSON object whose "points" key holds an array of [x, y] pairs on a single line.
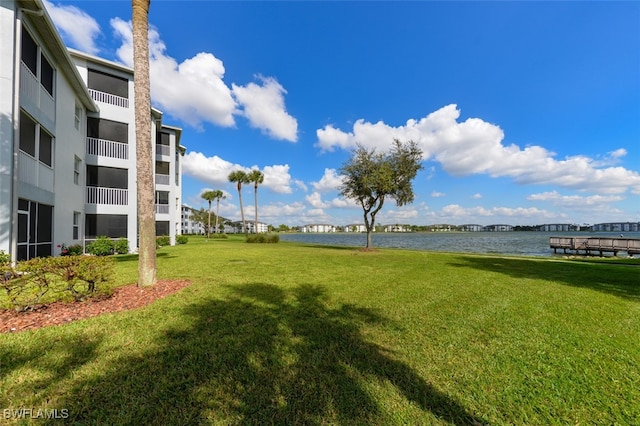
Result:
{"points": [[527, 112]]}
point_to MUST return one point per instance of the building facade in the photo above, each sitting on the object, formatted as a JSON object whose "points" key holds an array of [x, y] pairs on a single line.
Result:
{"points": [[67, 147]]}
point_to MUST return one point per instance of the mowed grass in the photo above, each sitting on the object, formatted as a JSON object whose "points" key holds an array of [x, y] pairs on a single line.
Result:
{"points": [[297, 334]]}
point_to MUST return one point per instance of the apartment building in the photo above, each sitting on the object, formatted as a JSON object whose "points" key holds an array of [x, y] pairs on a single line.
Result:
{"points": [[67, 143]]}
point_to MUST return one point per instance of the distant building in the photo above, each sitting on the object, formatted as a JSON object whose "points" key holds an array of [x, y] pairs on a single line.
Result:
{"points": [[471, 228], [190, 226], [355, 228], [396, 228], [321, 227], [236, 227], [557, 227], [616, 227], [499, 228]]}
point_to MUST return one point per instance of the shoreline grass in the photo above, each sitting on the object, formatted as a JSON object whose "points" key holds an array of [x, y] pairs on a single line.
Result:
{"points": [[293, 333]]}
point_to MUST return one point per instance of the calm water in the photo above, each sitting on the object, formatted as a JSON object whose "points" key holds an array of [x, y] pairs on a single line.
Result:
{"points": [[513, 243]]}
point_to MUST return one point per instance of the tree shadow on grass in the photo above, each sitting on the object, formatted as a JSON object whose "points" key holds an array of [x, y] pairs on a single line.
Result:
{"points": [[59, 357], [262, 356], [618, 280]]}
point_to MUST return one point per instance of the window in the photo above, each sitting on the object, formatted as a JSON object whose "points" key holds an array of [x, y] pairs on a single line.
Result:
{"points": [[108, 130], [107, 177], [77, 116], [162, 167], [27, 134], [29, 54], [77, 163], [35, 229], [162, 228], [163, 138], [110, 225], [46, 148], [35, 141], [162, 197], [107, 83], [46, 74], [76, 225]]}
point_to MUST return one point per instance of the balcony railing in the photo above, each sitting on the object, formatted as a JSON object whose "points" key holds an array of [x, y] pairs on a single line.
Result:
{"points": [[163, 149], [106, 148], [162, 208], [31, 89], [108, 98], [107, 196], [162, 179], [33, 172]]}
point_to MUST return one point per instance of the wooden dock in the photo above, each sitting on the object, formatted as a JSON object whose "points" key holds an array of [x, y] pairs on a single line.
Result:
{"points": [[599, 245]]}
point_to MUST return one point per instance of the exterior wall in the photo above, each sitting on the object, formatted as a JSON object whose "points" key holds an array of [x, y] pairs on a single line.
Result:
{"points": [[7, 84], [69, 144], [120, 114]]}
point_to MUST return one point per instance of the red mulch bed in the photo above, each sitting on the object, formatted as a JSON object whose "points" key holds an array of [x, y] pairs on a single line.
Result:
{"points": [[123, 298]]}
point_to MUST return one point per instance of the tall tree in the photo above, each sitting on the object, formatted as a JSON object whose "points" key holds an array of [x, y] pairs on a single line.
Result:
{"points": [[209, 196], [369, 177], [240, 177], [144, 149], [219, 196], [257, 177]]}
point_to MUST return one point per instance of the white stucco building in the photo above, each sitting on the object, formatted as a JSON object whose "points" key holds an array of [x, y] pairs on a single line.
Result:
{"points": [[67, 143]]}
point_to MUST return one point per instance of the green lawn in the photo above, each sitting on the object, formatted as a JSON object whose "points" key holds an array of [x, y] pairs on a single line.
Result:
{"points": [[297, 334]]}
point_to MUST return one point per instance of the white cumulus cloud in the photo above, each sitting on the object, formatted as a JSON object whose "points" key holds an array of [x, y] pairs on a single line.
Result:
{"points": [[77, 27], [475, 146], [192, 91], [330, 181], [215, 170], [263, 105]]}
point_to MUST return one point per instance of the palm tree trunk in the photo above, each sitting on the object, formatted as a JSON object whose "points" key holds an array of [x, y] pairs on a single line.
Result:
{"points": [[209, 224], [244, 226], [144, 149], [255, 196], [217, 214]]}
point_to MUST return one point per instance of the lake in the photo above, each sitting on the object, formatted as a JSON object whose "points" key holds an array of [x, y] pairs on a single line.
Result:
{"points": [[511, 243]]}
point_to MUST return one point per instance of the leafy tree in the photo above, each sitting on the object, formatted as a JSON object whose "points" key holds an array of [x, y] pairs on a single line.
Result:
{"points": [[200, 216], [144, 149], [370, 177], [210, 196], [240, 177], [257, 177]]}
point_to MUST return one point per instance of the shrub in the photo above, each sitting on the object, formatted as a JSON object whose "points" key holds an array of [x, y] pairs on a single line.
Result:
{"points": [[121, 246], [163, 240], [55, 278], [75, 250], [5, 258], [102, 246], [263, 238], [182, 239]]}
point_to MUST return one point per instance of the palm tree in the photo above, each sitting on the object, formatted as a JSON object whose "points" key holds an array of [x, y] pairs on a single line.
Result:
{"points": [[240, 177], [219, 196], [209, 196], [144, 158], [257, 177]]}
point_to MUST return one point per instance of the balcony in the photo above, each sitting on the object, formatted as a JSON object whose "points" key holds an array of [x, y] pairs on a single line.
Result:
{"points": [[107, 196], [33, 172], [163, 150], [162, 208], [106, 148], [32, 90], [108, 98], [162, 179]]}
